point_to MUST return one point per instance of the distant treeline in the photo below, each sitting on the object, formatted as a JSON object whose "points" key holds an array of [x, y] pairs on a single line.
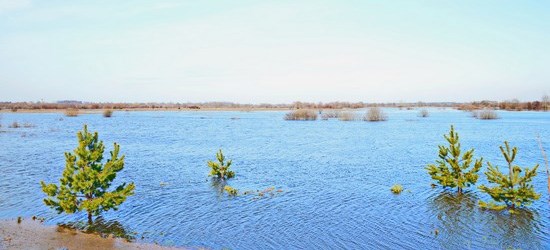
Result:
{"points": [[209, 105], [511, 105], [543, 104]]}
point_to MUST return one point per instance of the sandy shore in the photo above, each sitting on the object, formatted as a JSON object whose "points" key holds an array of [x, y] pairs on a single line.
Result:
{"points": [[31, 234]]}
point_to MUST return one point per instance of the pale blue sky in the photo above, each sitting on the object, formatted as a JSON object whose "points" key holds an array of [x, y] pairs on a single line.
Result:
{"points": [[274, 51]]}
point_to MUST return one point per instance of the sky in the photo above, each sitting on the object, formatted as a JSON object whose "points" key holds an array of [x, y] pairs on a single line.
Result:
{"points": [[274, 51]]}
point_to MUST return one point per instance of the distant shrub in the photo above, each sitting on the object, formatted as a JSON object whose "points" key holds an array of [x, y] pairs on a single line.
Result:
{"points": [[486, 114], [301, 115], [375, 114], [397, 189], [424, 113], [71, 112], [347, 116], [107, 113], [14, 110]]}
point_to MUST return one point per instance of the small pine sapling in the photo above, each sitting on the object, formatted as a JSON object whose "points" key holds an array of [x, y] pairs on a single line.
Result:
{"points": [[454, 169], [86, 180], [220, 169], [512, 189]]}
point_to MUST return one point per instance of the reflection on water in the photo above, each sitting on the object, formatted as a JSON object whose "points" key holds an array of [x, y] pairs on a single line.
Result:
{"points": [[460, 218], [217, 185], [103, 227], [517, 229]]}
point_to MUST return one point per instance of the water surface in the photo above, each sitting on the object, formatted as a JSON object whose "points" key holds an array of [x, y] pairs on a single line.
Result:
{"points": [[335, 178]]}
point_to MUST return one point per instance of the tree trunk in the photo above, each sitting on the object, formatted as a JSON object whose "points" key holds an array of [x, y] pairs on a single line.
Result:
{"points": [[90, 218]]}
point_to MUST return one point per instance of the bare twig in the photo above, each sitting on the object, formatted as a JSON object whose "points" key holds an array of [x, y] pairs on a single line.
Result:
{"points": [[545, 161]]}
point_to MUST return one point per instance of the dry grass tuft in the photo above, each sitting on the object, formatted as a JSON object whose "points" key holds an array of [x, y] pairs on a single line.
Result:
{"points": [[375, 114], [301, 115]]}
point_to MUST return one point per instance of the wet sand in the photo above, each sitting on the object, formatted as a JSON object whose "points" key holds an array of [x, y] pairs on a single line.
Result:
{"points": [[31, 234]]}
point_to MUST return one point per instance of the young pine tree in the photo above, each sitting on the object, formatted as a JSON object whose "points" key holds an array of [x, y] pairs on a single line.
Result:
{"points": [[220, 169], [85, 181], [454, 169], [512, 189]]}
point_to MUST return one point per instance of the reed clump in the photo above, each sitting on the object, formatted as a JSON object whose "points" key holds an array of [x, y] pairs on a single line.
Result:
{"points": [[375, 114], [301, 115], [107, 113], [486, 114], [71, 112]]}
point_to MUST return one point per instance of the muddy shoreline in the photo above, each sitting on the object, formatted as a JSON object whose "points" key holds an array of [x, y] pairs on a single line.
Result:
{"points": [[32, 234]]}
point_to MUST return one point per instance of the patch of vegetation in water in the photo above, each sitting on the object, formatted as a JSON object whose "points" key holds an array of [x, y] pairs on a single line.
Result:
{"points": [[396, 189]]}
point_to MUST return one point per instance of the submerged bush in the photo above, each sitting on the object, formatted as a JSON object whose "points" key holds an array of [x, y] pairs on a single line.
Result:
{"points": [[15, 125], [230, 190], [71, 112], [424, 113], [397, 189], [512, 189], [86, 179], [453, 168], [347, 116], [375, 114], [330, 114], [220, 169], [301, 115], [486, 114], [107, 113]]}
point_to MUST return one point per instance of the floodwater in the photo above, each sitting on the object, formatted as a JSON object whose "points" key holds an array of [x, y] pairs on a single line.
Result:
{"points": [[331, 179]]}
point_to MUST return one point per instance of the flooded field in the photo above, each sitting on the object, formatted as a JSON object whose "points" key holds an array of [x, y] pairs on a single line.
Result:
{"points": [[326, 184]]}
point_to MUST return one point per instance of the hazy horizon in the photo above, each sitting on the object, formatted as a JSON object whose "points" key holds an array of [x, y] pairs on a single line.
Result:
{"points": [[274, 52]]}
